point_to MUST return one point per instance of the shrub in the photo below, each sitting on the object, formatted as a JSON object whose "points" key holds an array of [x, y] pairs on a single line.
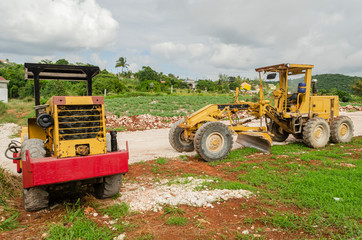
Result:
{"points": [[2, 108]]}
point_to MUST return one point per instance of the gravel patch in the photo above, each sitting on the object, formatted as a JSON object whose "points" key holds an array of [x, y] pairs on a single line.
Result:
{"points": [[151, 196], [6, 130]]}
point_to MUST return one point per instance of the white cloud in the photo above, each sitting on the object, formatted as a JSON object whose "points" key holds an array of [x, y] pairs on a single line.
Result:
{"points": [[193, 38], [48, 26], [98, 61], [168, 50], [133, 67]]}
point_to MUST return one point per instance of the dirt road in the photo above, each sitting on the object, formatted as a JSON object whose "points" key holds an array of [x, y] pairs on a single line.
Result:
{"points": [[144, 145]]}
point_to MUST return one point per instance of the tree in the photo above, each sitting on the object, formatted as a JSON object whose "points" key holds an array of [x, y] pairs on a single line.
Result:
{"points": [[147, 73], [122, 62], [207, 85], [46, 61], [62, 62], [357, 87]]}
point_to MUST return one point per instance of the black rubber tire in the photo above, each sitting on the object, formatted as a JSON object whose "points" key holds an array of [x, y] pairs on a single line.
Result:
{"points": [[34, 198], [35, 146], [316, 133], [176, 139], [341, 129], [213, 131], [110, 186], [279, 134]]}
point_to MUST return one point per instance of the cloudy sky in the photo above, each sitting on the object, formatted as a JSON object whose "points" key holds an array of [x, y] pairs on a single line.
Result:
{"points": [[189, 38]]}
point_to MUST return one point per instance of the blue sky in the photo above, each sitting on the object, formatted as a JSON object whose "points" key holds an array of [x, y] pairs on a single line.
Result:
{"points": [[189, 38]]}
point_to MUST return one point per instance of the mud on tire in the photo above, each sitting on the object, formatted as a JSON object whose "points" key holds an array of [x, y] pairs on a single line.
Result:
{"points": [[177, 140], [341, 129], [316, 133], [110, 186], [213, 141]]}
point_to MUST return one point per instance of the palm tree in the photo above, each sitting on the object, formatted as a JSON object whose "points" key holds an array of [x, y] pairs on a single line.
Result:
{"points": [[122, 62]]}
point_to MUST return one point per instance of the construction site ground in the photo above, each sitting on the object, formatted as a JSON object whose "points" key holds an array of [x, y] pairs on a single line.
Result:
{"points": [[154, 166]]}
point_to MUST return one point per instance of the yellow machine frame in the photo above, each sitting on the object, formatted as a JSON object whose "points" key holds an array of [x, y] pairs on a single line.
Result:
{"points": [[289, 115]]}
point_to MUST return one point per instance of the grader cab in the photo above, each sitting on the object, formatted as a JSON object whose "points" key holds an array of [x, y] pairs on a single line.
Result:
{"points": [[315, 119], [66, 146]]}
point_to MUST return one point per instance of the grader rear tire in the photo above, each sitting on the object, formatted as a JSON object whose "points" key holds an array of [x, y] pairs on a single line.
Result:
{"points": [[177, 140], [213, 141], [341, 129], [279, 134], [34, 198], [316, 133], [110, 186]]}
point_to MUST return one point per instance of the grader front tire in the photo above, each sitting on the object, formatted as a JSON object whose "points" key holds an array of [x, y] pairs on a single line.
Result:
{"points": [[316, 133], [213, 141], [34, 198], [177, 140], [279, 134], [341, 129]]}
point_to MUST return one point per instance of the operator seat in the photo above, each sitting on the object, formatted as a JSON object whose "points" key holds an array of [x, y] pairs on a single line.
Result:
{"points": [[295, 98]]}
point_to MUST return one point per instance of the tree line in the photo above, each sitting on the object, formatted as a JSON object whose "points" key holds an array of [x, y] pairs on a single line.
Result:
{"points": [[149, 80]]}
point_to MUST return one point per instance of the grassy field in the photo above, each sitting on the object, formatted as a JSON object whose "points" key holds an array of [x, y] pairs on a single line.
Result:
{"points": [[17, 111], [164, 106], [301, 193]]}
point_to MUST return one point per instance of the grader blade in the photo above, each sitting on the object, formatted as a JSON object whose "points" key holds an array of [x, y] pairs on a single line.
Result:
{"points": [[260, 141]]}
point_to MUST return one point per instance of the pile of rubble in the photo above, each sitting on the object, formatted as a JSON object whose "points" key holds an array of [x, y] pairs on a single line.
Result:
{"points": [[180, 191], [350, 108], [139, 122]]}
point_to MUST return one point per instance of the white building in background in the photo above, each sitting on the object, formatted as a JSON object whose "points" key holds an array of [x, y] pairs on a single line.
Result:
{"points": [[191, 83], [4, 89]]}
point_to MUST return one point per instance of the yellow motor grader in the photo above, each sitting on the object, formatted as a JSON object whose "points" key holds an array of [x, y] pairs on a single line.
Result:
{"points": [[315, 119]]}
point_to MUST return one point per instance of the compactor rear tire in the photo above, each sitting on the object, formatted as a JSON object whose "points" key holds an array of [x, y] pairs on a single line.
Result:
{"points": [[279, 134], [213, 141], [341, 129], [316, 133], [177, 140], [110, 186], [34, 198]]}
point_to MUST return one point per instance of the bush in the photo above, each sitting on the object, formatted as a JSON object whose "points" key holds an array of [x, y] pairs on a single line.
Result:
{"points": [[2, 108]]}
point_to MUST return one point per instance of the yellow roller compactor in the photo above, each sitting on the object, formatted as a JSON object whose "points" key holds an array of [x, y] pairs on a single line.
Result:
{"points": [[315, 119]]}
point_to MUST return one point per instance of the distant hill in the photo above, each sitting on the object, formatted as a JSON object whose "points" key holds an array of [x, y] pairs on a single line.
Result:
{"points": [[327, 81]]}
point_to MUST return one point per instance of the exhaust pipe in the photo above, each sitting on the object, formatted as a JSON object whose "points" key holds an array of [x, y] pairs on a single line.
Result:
{"points": [[114, 145]]}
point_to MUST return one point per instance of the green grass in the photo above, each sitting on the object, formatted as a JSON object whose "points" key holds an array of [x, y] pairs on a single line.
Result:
{"points": [[218, 183], [177, 220], [164, 106], [10, 222], [161, 161], [77, 226], [3, 108], [172, 210], [10, 187], [174, 215], [17, 111], [311, 179], [117, 210]]}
